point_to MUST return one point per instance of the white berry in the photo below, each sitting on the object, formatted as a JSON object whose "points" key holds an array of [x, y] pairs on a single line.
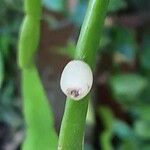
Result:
{"points": [[76, 79]]}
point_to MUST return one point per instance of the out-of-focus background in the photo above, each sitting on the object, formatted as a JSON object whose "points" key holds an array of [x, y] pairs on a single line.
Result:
{"points": [[119, 113]]}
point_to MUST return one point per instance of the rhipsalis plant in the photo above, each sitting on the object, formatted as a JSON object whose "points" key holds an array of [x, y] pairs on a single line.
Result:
{"points": [[40, 134], [73, 124], [30, 33]]}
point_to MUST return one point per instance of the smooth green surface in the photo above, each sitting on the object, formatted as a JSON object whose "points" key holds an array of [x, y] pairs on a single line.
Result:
{"points": [[33, 8], [40, 131], [89, 38], [30, 33], [73, 123], [72, 129], [28, 42]]}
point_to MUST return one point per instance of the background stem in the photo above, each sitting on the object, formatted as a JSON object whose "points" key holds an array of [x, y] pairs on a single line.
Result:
{"points": [[73, 123], [40, 132]]}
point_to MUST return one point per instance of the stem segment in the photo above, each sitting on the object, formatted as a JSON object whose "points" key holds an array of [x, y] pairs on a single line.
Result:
{"points": [[40, 133], [73, 123], [30, 33]]}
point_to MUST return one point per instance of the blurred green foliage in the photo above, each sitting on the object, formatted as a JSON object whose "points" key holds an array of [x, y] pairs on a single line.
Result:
{"points": [[10, 14], [127, 87], [116, 5]]}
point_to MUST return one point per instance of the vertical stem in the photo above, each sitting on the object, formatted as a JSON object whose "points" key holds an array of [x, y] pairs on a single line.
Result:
{"points": [[73, 123], [40, 133], [30, 33]]}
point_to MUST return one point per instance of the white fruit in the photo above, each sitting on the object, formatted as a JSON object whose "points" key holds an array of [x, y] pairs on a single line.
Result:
{"points": [[76, 79]]}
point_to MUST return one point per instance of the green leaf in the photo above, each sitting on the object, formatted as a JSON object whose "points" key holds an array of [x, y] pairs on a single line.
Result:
{"points": [[145, 96], [129, 144], [142, 129], [1, 69], [107, 116], [122, 130], [124, 43], [4, 45], [145, 146], [127, 86], [38, 114], [143, 112], [105, 140], [145, 58], [127, 136], [108, 120], [116, 5]]}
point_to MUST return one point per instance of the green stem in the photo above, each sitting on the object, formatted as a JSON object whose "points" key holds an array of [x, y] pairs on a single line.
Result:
{"points": [[40, 133], [30, 33], [108, 119], [73, 123]]}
